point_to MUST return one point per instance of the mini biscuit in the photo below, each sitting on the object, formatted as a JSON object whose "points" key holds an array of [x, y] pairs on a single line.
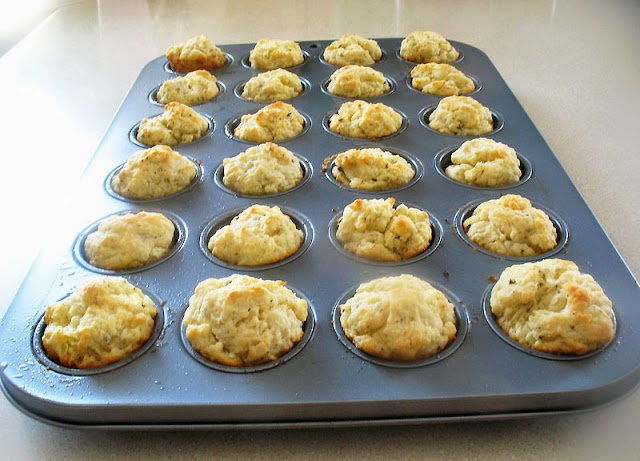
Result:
{"points": [[257, 236], [263, 169], [360, 119], [103, 321], [194, 88], [244, 321], [440, 79], [485, 163], [154, 173], [510, 226], [129, 241], [372, 169], [276, 122], [194, 54], [552, 307], [399, 318], [358, 82], [461, 116], [374, 229], [274, 54], [178, 124], [427, 46], [274, 85], [352, 49]]}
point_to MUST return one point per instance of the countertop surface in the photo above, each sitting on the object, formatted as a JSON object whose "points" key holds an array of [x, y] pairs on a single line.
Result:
{"points": [[573, 65]]}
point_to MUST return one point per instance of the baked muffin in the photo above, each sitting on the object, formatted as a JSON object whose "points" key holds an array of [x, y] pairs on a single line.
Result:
{"points": [[275, 54], [263, 169], [485, 163], [129, 241], [372, 169], [461, 116], [244, 321], [194, 88], [427, 46], [259, 235], [399, 318], [440, 79], [154, 173], [358, 82], [276, 122], [360, 119], [552, 307], [104, 320], [178, 124], [352, 49], [194, 54], [374, 229], [274, 85], [511, 226]]}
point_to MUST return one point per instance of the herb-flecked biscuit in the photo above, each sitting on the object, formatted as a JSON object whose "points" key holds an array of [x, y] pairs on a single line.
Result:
{"points": [[154, 173], [273, 85], [360, 119], [276, 122], [358, 82], [427, 46], [178, 124], [485, 163], [440, 79], [374, 229], [461, 116], [263, 169], [372, 169], [103, 321], [194, 88], [129, 241], [257, 236], [511, 226], [274, 54], [352, 49], [244, 321], [399, 318], [196, 53], [552, 307]]}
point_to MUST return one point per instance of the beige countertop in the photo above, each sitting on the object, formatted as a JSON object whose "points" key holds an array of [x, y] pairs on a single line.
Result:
{"points": [[573, 65]]}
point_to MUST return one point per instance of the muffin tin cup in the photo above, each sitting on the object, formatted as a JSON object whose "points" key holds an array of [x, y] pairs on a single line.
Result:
{"points": [[232, 124], [423, 117], [415, 163], [41, 355], [133, 133], [462, 327], [324, 86], [179, 238], [307, 172], [493, 323], [300, 221], [474, 79], [239, 89], [153, 95], [323, 61], [308, 327], [443, 159], [246, 63], [562, 232], [229, 60], [109, 188], [327, 128], [436, 239]]}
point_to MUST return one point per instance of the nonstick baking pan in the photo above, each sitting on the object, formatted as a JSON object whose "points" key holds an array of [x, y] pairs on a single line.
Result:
{"points": [[324, 381]]}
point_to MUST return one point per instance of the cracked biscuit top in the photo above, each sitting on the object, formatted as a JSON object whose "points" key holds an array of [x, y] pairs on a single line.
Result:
{"points": [[552, 307], [358, 82], [371, 169], [274, 54], [274, 85], [461, 116], [441, 80], [427, 46], [485, 163], [194, 54], [178, 124], [360, 119], [276, 122], [194, 88], [352, 49]]}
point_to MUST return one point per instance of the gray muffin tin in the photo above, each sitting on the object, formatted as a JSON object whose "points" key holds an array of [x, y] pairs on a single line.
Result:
{"points": [[324, 381]]}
